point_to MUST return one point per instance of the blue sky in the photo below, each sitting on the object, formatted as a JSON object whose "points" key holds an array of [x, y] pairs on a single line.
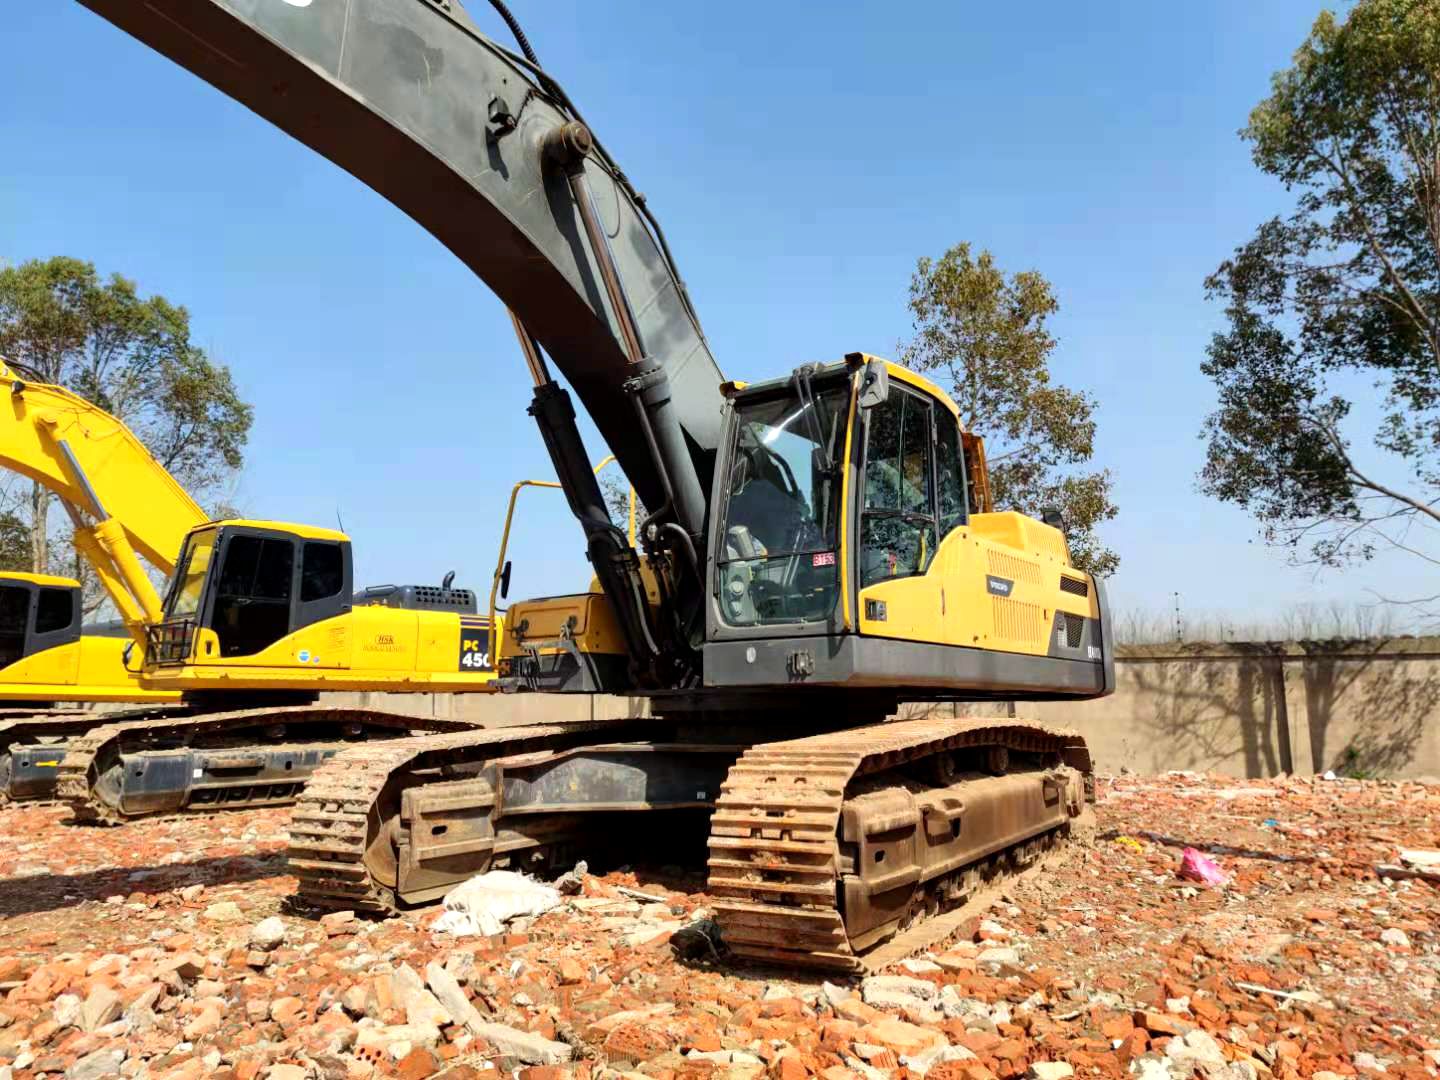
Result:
{"points": [[801, 157]]}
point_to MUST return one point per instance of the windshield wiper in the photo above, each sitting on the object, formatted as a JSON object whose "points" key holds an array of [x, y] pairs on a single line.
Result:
{"points": [[806, 393]]}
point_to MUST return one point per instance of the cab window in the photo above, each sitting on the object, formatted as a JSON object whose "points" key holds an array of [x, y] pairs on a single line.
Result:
{"points": [[14, 613], [252, 599], [898, 522], [949, 473], [189, 586], [56, 610], [778, 560], [322, 571]]}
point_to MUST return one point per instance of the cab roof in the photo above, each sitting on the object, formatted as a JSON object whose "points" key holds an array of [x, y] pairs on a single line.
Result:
{"points": [[51, 580], [852, 362], [304, 532]]}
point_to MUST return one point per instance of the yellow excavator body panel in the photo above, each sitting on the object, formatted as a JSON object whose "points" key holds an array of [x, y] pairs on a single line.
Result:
{"points": [[1001, 582], [586, 618], [91, 669], [370, 647], [996, 584]]}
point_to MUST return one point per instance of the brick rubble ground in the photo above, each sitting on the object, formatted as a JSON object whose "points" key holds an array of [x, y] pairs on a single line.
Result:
{"points": [[168, 949]]}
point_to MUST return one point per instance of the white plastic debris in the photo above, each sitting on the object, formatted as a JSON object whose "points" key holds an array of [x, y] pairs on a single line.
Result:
{"points": [[484, 904]]}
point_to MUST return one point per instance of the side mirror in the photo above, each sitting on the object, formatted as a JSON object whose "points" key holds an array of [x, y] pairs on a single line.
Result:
{"points": [[874, 384], [1052, 516], [505, 581]]}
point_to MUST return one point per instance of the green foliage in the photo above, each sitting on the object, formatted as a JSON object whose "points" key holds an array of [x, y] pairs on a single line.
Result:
{"points": [[1342, 293], [616, 490], [14, 542], [130, 355], [987, 335]]}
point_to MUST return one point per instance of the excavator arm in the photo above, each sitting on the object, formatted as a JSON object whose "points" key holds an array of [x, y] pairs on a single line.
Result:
{"points": [[474, 142], [484, 150], [123, 503]]}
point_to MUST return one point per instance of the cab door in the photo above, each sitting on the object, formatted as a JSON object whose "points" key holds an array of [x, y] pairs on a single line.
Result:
{"points": [[912, 513], [56, 624]]}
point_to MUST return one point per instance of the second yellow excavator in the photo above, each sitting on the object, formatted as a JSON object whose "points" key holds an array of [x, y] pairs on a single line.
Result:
{"points": [[47, 657], [259, 619]]}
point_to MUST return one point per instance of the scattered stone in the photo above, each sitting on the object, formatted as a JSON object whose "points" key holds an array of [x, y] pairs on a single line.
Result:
{"points": [[101, 1007], [1296, 971], [905, 1039], [1395, 937], [338, 923], [572, 882], [451, 997], [421, 1007], [226, 911], [895, 991], [697, 941], [1196, 1050], [268, 934], [998, 957], [94, 1066], [529, 1048], [66, 1011], [833, 995], [918, 965]]}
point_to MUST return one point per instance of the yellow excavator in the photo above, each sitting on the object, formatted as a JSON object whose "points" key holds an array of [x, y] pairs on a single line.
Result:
{"points": [[260, 617], [818, 548], [47, 657]]}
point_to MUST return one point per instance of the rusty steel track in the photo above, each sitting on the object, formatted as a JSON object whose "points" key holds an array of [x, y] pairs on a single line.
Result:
{"points": [[339, 817], [101, 747], [776, 861]]}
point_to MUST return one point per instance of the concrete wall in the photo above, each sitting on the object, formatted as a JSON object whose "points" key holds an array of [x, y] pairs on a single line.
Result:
{"points": [[1364, 708], [500, 710]]}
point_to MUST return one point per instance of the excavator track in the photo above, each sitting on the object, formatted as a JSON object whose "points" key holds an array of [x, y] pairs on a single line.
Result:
{"points": [[33, 742], [340, 819], [214, 761], [849, 850]]}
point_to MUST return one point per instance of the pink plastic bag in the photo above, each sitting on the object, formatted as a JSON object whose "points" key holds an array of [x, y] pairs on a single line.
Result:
{"points": [[1195, 866]]}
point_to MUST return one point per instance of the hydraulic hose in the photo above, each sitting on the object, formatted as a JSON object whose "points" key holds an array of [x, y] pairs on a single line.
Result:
{"points": [[514, 25]]}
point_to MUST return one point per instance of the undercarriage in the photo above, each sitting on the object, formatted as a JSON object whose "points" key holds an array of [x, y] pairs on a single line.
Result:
{"points": [[119, 766], [33, 742], [825, 850]]}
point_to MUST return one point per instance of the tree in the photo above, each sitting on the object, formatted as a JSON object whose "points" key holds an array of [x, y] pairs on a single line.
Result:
{"points": [[988, 335], [616, 490], [1339, 299], [133, 357]]}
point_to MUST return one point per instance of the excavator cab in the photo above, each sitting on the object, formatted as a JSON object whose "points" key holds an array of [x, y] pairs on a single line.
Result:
{"points": [[242, 586], [855, 540], [267, 606], [38, 612], [46, 655]]}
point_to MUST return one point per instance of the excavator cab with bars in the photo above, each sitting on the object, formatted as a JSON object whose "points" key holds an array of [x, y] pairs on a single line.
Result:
{"points": [[241, 587], [272, 604]]}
